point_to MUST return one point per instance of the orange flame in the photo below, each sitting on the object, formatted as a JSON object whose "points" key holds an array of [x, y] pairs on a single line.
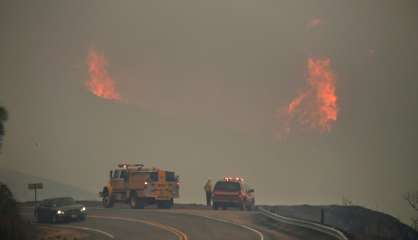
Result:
{"points": [[295, 103], [316, 107], [100, 83]]}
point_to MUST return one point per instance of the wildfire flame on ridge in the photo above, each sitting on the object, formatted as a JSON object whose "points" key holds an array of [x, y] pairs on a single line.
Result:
{"points": [[100, 83], [316, 107]]}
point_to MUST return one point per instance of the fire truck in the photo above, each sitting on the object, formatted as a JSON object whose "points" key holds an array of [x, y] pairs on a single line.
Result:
{"points": [[233, 192], [140, 186]]}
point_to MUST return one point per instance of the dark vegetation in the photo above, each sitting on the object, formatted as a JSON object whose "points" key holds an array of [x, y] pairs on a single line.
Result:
{"points": [[412, 199], [12, 227], [357, 222], [3, 118]]}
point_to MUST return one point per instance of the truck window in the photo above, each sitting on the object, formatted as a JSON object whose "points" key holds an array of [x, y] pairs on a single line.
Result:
{"points": [[227, 186], [170, 176], [116, 174], [153, 176], [124, 175]]}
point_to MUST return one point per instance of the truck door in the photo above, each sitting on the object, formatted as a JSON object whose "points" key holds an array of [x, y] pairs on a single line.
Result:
{"points": [[117, 182], [172, 183], [163, 187]]}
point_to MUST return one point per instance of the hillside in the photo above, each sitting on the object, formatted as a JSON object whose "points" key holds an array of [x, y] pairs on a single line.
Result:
{"points": [[361, 223], [18, 184]]}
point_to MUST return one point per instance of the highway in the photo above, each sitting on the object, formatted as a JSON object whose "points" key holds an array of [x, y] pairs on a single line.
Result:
{"points": [[125, 223]]}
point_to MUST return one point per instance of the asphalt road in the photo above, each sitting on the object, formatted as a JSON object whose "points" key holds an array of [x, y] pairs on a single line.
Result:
{"points": [[126, 224]]}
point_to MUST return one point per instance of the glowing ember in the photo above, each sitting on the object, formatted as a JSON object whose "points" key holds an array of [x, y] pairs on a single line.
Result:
{"points": [[100, 83], [316, 107]]}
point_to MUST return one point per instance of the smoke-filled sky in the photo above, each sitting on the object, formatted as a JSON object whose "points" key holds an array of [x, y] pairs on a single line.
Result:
{"points": [[310, 101]]}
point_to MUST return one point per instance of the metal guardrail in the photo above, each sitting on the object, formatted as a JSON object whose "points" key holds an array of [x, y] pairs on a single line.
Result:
{"points": [[305, 224]]}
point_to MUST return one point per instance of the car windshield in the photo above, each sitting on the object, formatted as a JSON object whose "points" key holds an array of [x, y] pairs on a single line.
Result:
{"points": [[59, 202], [227, 186]]}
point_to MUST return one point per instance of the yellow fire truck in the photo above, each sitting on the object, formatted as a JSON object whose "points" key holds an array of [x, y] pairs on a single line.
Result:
{"points": [[140, 186]]}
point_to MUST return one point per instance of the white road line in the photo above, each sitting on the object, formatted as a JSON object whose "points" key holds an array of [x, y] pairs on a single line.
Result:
{"points": [[86, 229]]}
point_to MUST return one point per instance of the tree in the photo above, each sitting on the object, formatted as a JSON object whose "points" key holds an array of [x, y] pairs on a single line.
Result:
{"points": [[11, 225], [8, 205], [3, 118], [412, 199]]}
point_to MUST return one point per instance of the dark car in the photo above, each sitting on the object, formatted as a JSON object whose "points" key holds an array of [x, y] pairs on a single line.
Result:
{"points": [[233, 192], [56, 210]]}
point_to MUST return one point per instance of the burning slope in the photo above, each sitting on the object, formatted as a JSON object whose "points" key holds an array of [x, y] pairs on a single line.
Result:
{"points": [[316, 107], [100, 83]]}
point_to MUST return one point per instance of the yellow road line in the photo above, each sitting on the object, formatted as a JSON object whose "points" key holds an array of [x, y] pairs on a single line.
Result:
{"points": [[180, 235]]}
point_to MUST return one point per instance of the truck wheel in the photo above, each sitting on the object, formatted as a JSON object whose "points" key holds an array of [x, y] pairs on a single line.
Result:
{"points": [[107, 201]]}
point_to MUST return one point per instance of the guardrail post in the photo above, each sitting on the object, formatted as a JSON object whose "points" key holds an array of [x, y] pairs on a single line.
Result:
{"points": [[322, 216]]}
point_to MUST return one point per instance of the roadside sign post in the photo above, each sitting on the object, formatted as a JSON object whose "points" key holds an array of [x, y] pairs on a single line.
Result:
{"points": [[35, 186]]}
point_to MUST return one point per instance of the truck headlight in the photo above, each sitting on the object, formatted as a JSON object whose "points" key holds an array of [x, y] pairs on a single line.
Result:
{"points": [[60, 212], [83, 209]]}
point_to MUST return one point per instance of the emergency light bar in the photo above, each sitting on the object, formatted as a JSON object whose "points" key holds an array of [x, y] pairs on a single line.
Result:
{"points": [[126, 165], [237, 179]]}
